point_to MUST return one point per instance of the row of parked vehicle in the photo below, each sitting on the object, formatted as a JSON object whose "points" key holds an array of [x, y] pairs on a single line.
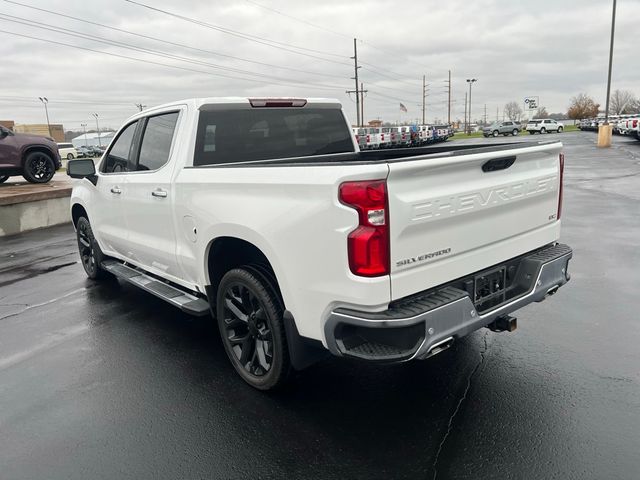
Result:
{"points": [[369, 138], [69, 151], [622, 124]]}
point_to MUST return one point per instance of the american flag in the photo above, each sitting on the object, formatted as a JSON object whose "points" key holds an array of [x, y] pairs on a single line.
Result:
{"points": [[403, 108]]}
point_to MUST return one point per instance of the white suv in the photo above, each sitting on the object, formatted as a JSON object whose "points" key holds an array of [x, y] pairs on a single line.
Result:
{"points": [[547, 125]]}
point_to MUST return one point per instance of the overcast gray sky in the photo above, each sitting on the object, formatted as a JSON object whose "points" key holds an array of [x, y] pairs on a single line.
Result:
{"points": [[548, 48]]}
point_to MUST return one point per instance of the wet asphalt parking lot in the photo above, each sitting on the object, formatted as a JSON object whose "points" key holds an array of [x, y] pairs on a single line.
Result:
{"points": [[105, 381]]}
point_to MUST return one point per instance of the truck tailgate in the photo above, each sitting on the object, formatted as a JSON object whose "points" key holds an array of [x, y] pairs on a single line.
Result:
{"points": [[450, 217]]}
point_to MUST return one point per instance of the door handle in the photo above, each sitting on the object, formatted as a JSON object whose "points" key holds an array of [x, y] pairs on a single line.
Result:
{"points": [[116, 190], [159, 193]]}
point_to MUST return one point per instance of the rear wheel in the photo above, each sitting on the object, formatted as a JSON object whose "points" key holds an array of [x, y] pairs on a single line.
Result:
{"points": [[4, 178], [514, 132], [531, 132], [559, 129], [38, 167], [496, 133], [543, 130], [70, 156], [249, 314], [90, 254]]}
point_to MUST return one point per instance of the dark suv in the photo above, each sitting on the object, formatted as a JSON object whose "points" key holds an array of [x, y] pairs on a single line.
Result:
{"points": [[34, 157]]}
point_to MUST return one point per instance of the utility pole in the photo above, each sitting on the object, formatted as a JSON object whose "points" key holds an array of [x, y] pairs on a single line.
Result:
{"points": [[140, 106], [98, 128], [356, 91], [45, 100], [485, 113], [362, 92], [497, 114], [465, 113], [424, 98], [470, 81], [449, 103], [84, 128]]}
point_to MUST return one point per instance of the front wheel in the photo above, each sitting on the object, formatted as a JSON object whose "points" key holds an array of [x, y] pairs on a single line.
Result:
{"points": [[559, 129], [4, 178], [90, 254], [514, 132], [496, 133], [531, 132], [543, 130], [70, 156], [38, 168], [249, 314]]}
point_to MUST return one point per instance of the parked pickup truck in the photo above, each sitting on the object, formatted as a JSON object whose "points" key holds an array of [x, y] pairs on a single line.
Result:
{"points": [[265, 213]]}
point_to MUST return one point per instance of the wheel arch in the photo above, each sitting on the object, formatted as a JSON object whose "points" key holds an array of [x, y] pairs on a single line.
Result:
{"points": [[77, 211], [36, 148], [226, 252]]}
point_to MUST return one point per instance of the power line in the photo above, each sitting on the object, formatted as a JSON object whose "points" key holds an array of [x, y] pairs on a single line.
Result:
{"points": [[167, 42], [246, 36], [129, 46], [151, 62], [298, 19]]}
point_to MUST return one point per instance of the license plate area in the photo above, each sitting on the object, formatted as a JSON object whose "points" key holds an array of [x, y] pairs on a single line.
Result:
{"points": [[490, 288]]}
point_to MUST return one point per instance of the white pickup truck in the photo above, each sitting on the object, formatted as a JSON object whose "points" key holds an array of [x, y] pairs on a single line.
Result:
{"points": [[264, 213]]}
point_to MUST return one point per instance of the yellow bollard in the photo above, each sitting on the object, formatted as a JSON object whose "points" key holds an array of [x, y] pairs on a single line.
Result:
{"points": [[604, 136]]}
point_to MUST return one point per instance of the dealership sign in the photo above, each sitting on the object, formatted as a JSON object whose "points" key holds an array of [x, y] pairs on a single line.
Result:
{"points": [[531, 103]]}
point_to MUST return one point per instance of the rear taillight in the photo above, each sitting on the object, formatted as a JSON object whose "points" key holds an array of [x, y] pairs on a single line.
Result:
{"points": [[368, 139], [368, 244], [560, 189], [403, 136], [382, 138], [635, 123]]}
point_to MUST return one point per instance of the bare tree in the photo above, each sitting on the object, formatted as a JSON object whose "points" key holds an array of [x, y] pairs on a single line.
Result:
{"points": [[513, 111], [582, 106], [621, 102], [542, 112]]}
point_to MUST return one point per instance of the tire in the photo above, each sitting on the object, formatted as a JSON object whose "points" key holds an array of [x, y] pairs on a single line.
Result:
{"points": [[249, 315], [38, 168], [70, 156], [495, 133], [90, 254], [560, 129], [4, 178], [531, 132], [515, 132], [543, 130]]}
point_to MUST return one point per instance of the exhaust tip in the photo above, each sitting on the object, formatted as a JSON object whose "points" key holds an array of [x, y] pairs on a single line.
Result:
{"points": [[552, 290], [441, 346]]}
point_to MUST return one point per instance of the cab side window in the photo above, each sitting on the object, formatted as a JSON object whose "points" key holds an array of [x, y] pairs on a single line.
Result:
{"points": [[120, 157], [156, 141]]}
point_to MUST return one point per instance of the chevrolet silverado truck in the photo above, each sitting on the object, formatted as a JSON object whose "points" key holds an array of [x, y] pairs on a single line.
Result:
{"points": [[265, 214], [34, 157]]}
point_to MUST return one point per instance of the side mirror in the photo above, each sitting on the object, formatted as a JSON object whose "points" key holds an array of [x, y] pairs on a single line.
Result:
{"points": [[82, 168]]}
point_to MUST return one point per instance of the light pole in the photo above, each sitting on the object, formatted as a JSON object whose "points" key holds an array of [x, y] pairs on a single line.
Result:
{"points": [[84, 127], [470, 81], [45, 100], [604, 131], [98, 128]]}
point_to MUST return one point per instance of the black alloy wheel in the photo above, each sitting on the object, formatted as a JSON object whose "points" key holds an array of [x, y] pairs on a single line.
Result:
{"points": [[249, 314], [38, 167], [90, 254]]}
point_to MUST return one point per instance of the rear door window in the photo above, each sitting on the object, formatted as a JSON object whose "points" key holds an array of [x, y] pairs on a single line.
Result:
{"points": [[245, 135], [120, 157], [156, 141]]}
